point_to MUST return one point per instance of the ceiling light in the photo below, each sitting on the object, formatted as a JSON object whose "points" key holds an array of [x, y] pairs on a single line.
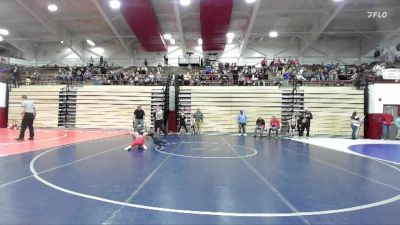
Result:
{"points": [[1, 38], [337, 0], [273, 34], [4, 31], [91, 43], [200, 41], [172, 41], [115, 4], [52, 7], [167, 36], [185, 2], [62, 42], [251, 1], [230, 35]]}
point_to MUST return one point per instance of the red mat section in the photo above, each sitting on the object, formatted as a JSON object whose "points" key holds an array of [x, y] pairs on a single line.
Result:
{"points": [[48, 139]]}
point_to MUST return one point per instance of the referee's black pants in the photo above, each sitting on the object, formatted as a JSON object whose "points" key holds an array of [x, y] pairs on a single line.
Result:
{"points": [[27, 121], [159, 125]]}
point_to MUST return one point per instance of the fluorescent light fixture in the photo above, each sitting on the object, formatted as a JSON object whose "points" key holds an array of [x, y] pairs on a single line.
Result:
{"points": [[1, 38], [91, 43], [337, 0], [98, 50], [167, 36], [115, 4], [185, 2], [4, 31], [52, 7], [200, 41], [251, 1], [172, 41], [273, 34], [230, 35]]}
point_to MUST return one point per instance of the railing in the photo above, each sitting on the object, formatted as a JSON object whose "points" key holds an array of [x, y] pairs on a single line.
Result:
{"points": [[212, 80]]}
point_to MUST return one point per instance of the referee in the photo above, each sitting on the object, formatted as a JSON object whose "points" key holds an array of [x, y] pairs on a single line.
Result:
{"points": [[28, 114]]}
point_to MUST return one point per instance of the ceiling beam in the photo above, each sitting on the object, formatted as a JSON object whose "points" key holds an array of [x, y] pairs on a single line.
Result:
{"points": [[254, 13], [56, 34], [374, 43], [112, 27], [325, 24], [179, 24]]}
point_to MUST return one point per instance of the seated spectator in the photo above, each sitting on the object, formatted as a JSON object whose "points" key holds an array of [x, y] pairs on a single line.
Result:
{"points": [[151, 78], [158, 78], [274, 125], [28, 81], [260, 126], [186, 79]]}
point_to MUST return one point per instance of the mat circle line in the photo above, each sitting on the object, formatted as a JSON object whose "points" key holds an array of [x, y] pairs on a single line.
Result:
{"points": [[254, 151], [210, 213]]}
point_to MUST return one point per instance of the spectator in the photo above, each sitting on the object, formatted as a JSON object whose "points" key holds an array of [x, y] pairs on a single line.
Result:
{"points": [[182, 121], [145, 62], [159, 120], [159, 67], [260, 125], [186, 79], [165, 60], [293, 124], [397, 124], [198, 116], [15, 74], [307, 117], [274, 125], [139, 116], [242, 120], [151, 78], [355, 124], [387, 123]]}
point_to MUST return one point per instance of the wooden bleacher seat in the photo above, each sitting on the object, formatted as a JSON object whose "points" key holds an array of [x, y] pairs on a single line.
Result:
{"points": [[46, 100]]}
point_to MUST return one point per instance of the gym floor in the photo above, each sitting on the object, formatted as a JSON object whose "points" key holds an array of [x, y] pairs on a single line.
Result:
{"points": [[87, 178]]}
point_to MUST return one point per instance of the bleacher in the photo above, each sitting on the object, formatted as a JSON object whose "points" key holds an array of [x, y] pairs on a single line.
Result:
{"points": [[332, 108], [221, 105], [46, 99], [110, 107]]}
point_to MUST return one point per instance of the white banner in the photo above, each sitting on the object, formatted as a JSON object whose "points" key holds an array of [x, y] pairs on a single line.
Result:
{"points": [[391, 74], [3, 95]]}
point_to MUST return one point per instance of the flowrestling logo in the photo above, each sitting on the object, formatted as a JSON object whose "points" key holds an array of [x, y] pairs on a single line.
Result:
{"points": [[377, 15]]}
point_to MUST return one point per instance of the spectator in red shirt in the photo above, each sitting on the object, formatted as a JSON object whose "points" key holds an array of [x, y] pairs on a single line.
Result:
{"points": [[274, 125], [387, 122]]}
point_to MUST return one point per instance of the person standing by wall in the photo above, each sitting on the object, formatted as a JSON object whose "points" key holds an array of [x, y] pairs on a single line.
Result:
{"points": [[242, 120], [308, 117], [139, 117], [182, 121], [159, 120], [28, 114], [14, 74], [355, 124], [198, 116], [387, 123], [397, 124]]}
